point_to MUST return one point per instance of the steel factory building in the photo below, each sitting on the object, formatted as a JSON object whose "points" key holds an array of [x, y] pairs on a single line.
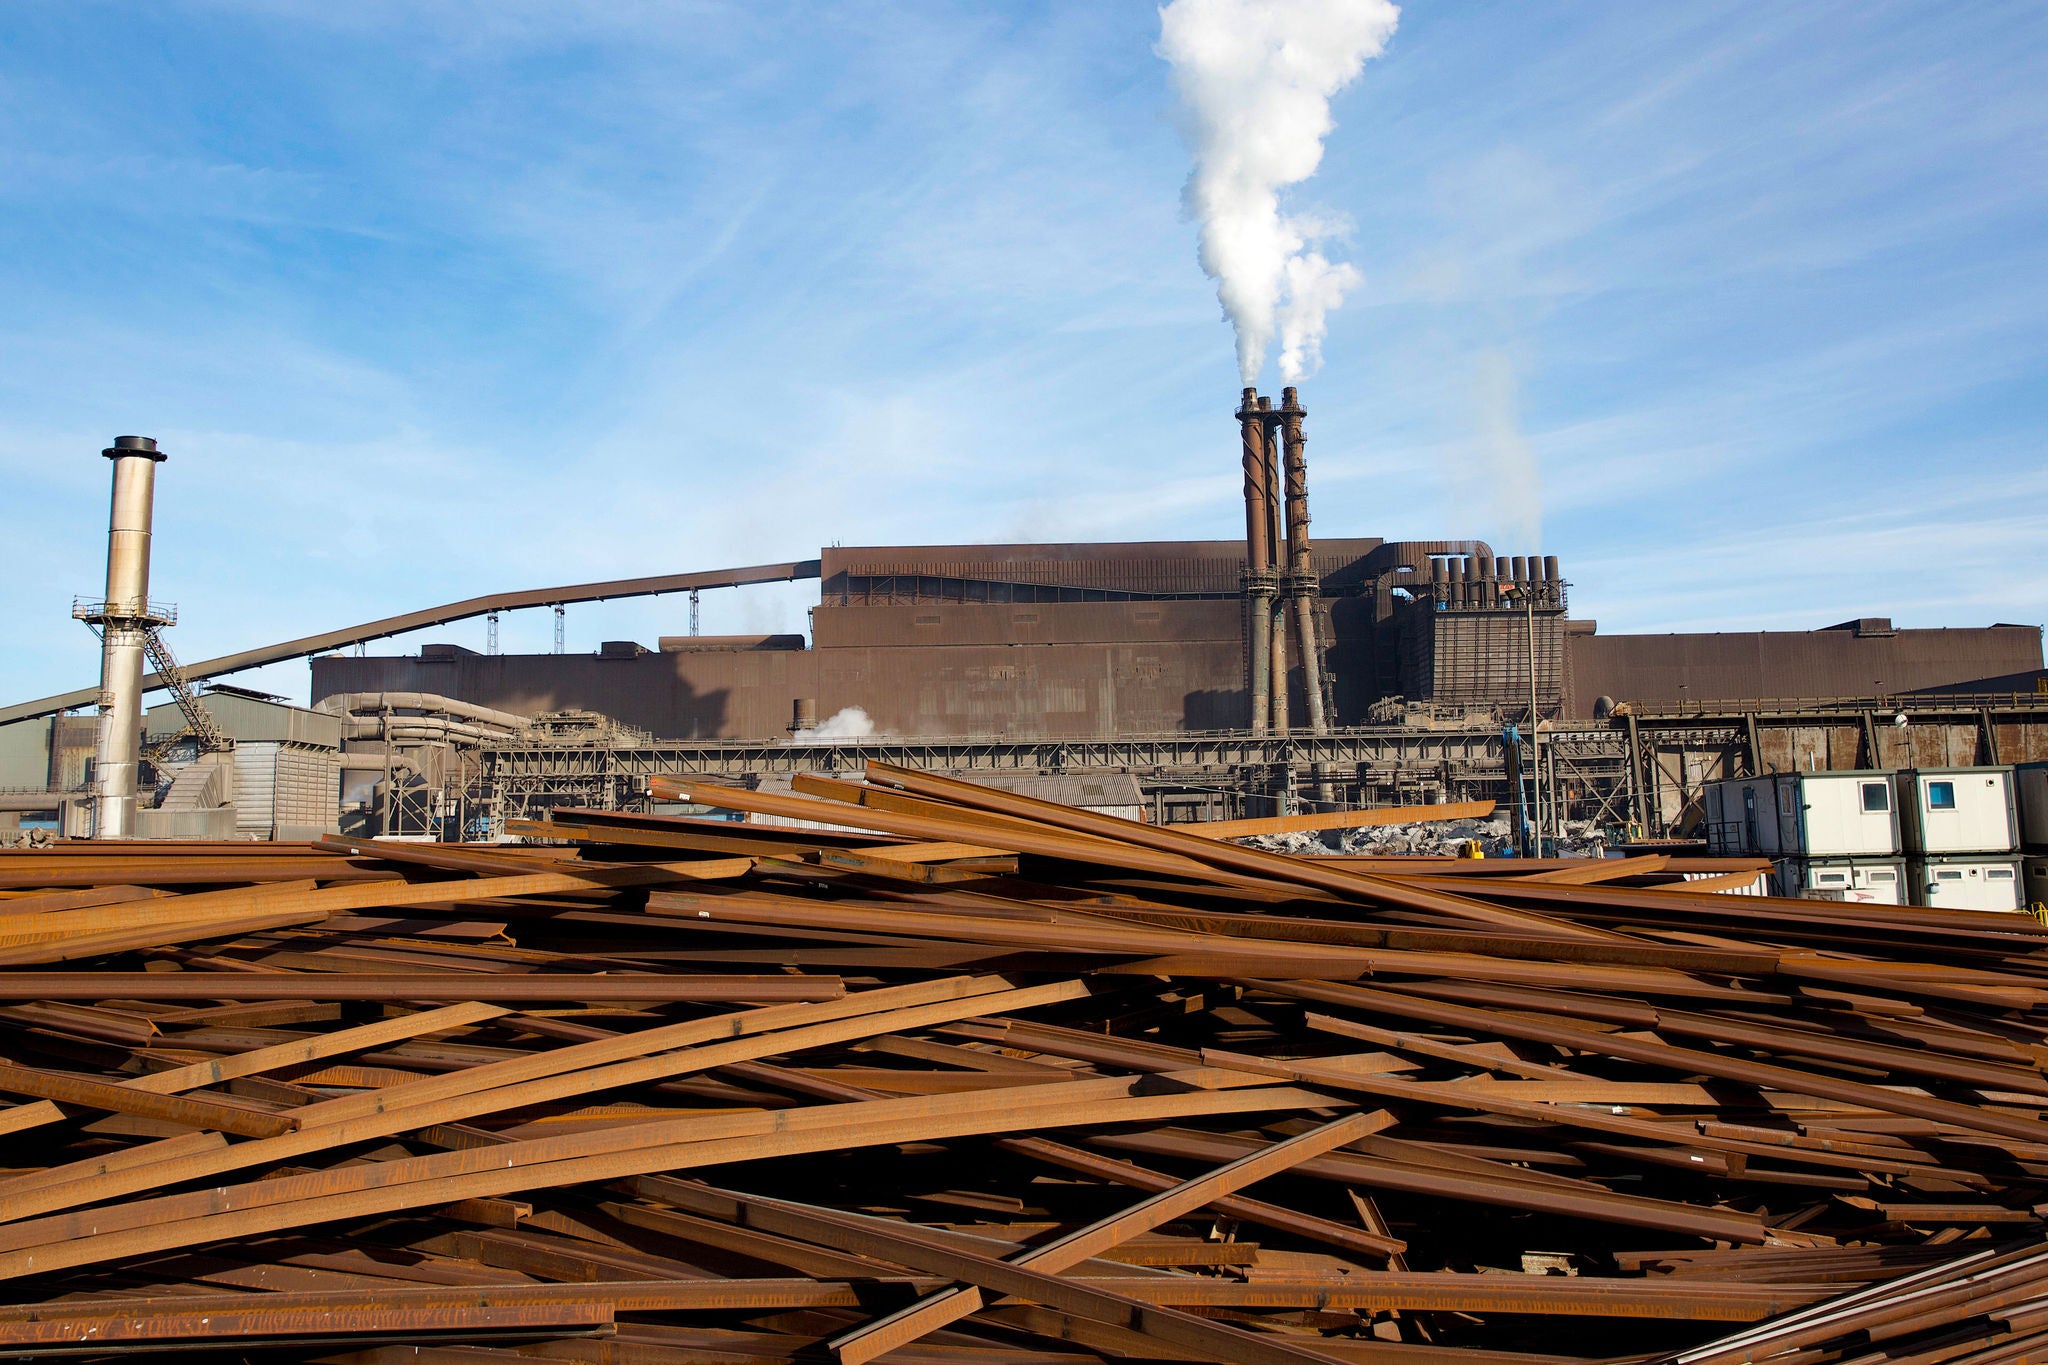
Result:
{"points": [[1212, 677], [1043, 642]]}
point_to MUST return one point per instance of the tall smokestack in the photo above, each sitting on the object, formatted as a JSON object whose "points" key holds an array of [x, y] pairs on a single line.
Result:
{"points": [[124, 619], [1276, 533], [1301, 585], [1259, 581]]}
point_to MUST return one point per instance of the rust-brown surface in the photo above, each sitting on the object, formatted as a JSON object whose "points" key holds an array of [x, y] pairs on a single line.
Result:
{"points": [[978, 1078]]}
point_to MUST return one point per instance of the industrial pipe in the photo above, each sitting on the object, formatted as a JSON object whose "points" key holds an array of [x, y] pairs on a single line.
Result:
{"points": [[1302, 587], [422, 730], [354, 703], [123, 619]]}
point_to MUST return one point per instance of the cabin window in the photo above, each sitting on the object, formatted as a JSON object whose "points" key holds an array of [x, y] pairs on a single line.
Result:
{"points": [[1999, 874], [1949, 876], [1876, 796], [1941, 796]]}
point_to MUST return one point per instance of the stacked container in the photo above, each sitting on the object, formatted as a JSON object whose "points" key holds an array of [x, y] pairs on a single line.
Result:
{"points": [[1829, 835], [1962, 836], [2030, 787]]}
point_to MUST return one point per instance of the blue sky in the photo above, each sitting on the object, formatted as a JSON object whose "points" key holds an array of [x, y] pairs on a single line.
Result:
{"points": [[1742, 310]]}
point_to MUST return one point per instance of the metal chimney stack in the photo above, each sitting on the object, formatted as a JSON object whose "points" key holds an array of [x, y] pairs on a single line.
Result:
{"points": [[124, 618], [1261, 583], [1300, 585]]}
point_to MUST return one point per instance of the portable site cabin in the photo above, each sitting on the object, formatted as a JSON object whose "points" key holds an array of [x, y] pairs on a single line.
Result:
{"points": [[1962, 883], [1824, 815], [1877, 881], [2030, 787], [1944, 811]]}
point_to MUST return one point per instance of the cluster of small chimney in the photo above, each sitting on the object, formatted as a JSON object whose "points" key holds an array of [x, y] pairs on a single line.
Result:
{"points": [[1280, 579], [1483, 581]]}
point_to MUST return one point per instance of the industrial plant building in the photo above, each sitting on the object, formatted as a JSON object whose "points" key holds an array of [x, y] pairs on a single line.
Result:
{"points": [[1045, 642], [1221, 676]]}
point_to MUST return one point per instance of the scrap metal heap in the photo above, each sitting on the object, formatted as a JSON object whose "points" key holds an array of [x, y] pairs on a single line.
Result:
{"points": [[963, 1076]]}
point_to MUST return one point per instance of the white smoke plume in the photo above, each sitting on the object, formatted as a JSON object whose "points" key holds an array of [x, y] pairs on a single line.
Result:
{"points": [[851, 723], [1255, 79], [1501, 477]]}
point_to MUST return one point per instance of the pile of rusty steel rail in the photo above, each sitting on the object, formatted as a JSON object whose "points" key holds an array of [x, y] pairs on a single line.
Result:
{"points": [[914, 1070]]}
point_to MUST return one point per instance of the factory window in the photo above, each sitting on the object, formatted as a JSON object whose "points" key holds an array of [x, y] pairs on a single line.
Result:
{"points": [[1941, 796], [1875, 796]]}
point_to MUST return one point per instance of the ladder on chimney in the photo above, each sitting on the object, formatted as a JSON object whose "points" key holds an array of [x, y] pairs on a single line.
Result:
{"points": [[168, 672]]}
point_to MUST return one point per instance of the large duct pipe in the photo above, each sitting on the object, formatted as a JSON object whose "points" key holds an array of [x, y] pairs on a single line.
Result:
{"points": [[354, 703], [124, 620], [1258, 561], [1302, 586]]}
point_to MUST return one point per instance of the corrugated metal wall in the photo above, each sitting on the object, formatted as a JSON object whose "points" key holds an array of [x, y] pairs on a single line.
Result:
{"points": [[1789, 664], [286, 791]]}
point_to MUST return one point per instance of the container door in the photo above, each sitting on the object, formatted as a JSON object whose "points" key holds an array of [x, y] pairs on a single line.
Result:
{"points": [[1945, 888], [2002, 888], [1876, 830]]}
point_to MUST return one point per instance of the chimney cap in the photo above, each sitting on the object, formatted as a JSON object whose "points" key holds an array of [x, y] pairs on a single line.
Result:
{"points": [[124, 446]]}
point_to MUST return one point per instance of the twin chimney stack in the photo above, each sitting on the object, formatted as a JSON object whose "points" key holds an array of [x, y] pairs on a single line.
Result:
{"points": [[1279, 579]]}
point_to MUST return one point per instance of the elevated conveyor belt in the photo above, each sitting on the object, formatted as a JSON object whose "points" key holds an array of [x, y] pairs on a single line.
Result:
{"points": [[436, 616]]}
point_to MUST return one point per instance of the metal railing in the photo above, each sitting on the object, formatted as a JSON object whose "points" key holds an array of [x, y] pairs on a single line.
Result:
{"points": [[96, 609]]}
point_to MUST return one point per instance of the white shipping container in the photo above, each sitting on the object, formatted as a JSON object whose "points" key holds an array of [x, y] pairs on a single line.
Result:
{"points": [[2030, 786], [1966, 883], [1881, 882], [1837, 815], [1847, 814], [1957, 810]]}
